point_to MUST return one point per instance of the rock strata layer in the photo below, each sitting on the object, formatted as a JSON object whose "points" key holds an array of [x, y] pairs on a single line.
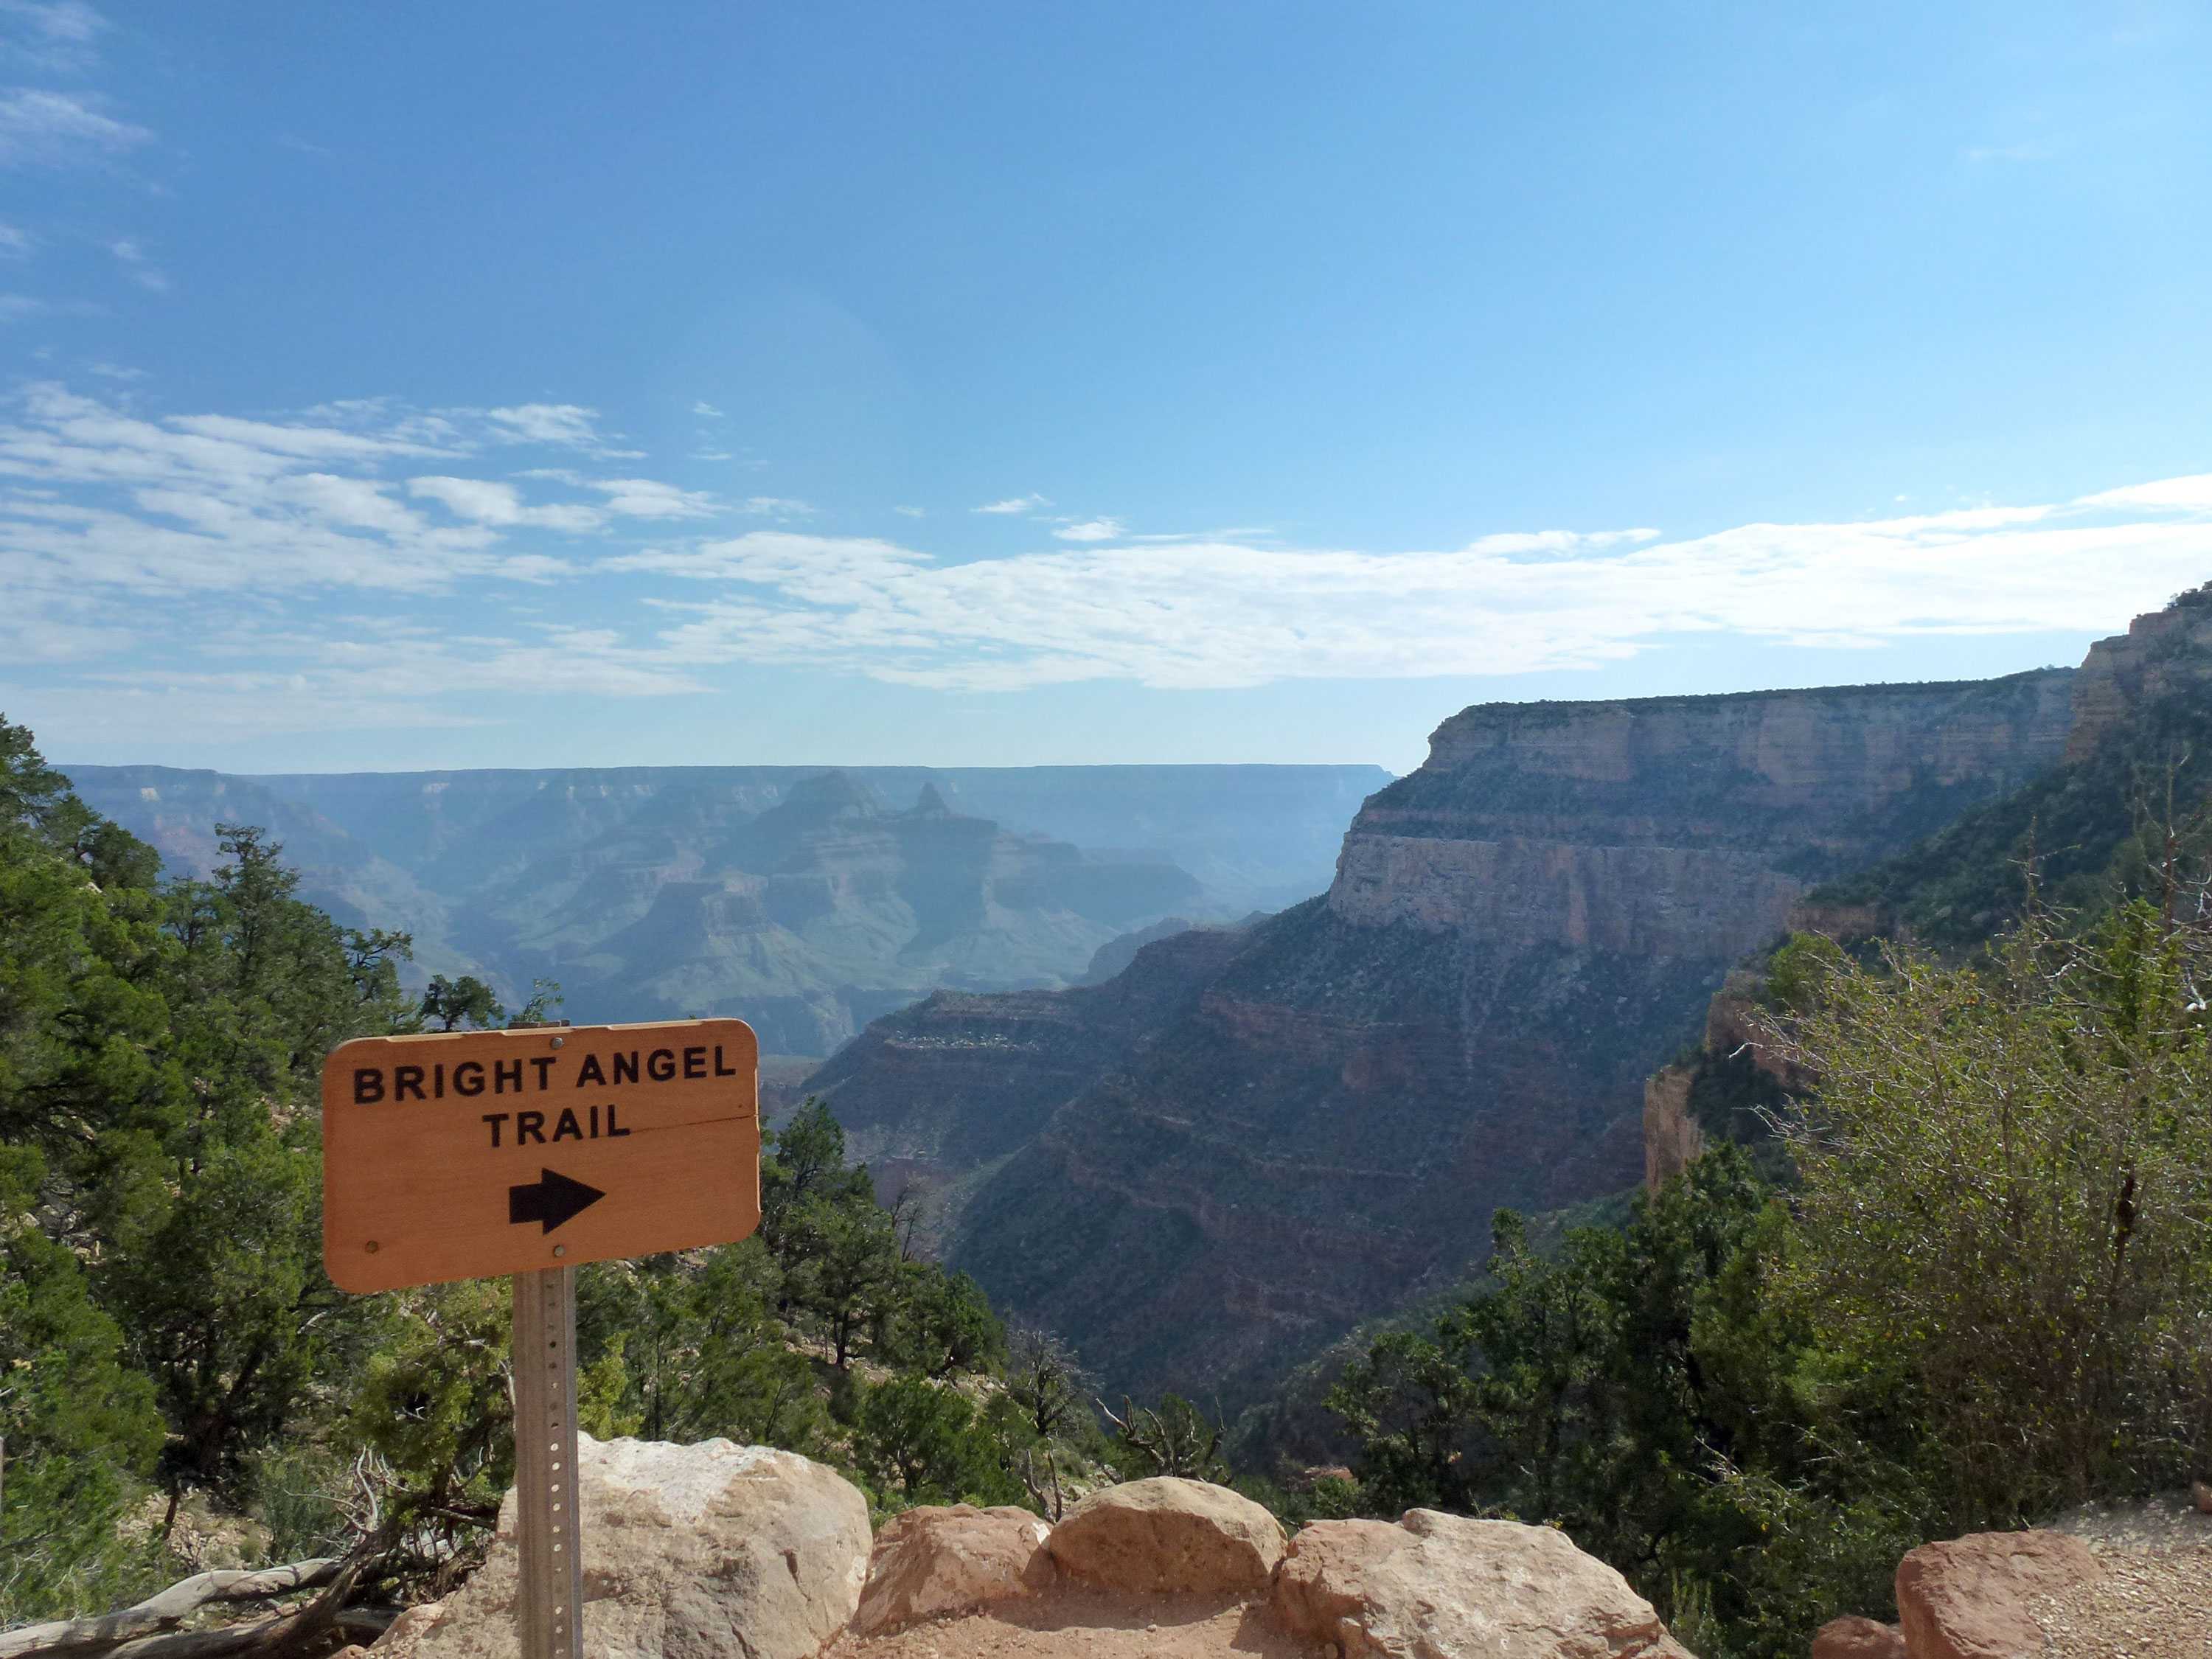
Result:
{"points": [[1219, 1161]]}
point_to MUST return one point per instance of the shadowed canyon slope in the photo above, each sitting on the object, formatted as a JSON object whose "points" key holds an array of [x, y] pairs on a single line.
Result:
{"points": [[1251, 1138], [807, 902]]}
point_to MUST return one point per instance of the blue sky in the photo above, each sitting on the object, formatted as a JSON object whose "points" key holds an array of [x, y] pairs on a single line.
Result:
{"points": [[399, 385]]}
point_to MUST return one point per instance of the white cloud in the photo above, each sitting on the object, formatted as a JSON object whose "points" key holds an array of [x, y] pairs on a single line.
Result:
{"points": [[52, 34], [55, 129], [569, 426], [1014, 504], [707, 411], [1220, 613], [1092, 530], [132, 258], [162, 549], [648, 498], [485, 500], [911, 512], [2192, 494], [15, 243]]}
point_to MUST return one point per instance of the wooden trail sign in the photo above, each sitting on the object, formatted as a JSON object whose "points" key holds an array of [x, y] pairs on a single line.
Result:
{"points": [[474, 1154], [471, 1154]]}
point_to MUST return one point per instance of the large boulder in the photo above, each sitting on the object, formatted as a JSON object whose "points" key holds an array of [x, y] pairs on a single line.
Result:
{"points": [[1854, 1637], [688, 1551], [1167, 1535], [1439, 1584], [1967, 1598], [930, 1563]]}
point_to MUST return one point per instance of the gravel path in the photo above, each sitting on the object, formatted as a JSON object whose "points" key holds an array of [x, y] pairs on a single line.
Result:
{"points": [[2153, 1599], [1069, 1624]]}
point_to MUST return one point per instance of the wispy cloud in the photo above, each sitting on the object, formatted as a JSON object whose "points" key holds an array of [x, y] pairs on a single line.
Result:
{"points": [[50, 34], [369, 559], [490, 501], [1014, 504], [707, 411], [15, 242], [1213, 614], [58, 128], [911, 512], [132, 258], [1091, 529], [569, 425]]}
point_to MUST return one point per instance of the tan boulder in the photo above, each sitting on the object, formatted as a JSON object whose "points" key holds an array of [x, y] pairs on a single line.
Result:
{"points": [[931, 1562], [688, 1550], [1168, 1535], [1439, 1584], [1854, 1637], [1967, 1598]]}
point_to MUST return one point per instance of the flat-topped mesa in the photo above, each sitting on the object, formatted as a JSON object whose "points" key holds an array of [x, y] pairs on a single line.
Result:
{"points": [[1685, 826], [2162, 653]]}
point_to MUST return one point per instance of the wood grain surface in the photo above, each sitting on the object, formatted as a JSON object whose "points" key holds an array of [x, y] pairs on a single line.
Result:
{"points": [[446, 1156]]}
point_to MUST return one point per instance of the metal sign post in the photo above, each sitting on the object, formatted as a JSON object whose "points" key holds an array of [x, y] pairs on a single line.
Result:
{"points": [[525, 1153], [548, 1598]]}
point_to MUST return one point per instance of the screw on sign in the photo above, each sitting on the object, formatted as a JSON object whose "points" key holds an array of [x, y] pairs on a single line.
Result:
{"points": [[475, 1154]]}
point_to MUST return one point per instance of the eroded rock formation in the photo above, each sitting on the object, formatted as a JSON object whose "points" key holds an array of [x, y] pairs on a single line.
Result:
{"points": [[1246, 1143]]}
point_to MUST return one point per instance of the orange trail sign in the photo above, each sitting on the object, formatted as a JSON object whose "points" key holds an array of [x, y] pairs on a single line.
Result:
{"points": [[473, 1154]]}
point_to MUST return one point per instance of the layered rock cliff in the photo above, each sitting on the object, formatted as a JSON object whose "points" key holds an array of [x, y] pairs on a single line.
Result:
{"points": [[2163, 652], [2135, 764], [1517, 933]]}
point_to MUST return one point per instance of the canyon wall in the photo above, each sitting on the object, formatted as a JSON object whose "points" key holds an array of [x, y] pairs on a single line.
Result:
{"points": [[1266, 1148], [2162, 653]]}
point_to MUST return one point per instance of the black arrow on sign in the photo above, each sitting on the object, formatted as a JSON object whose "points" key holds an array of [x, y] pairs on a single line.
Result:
{"points": [[552, 1199]]}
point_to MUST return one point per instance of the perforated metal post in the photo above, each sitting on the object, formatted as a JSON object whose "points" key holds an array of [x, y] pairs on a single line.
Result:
{"points": [[549, 1608]]}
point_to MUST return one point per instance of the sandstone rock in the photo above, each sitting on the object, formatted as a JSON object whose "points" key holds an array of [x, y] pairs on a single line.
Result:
{"points": [[1854, 1637], [688, 1551], [1671, 1139], [1439, 1584], [1168, 1535], [2165, 652], [1967, 1598], [931, 1562]]}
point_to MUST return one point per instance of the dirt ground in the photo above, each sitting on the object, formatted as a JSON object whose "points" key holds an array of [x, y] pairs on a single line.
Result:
{"points": [[1073, 1623], [2154, 1600]]}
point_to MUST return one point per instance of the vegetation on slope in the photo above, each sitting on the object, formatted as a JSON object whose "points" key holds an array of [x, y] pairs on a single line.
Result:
{"points": [[181, 1385], [1960, 1276]]}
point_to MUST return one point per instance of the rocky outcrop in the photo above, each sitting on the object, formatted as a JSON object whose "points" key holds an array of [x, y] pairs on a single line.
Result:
{"points": [[1854, 1637], [1671, 1136], [1685, 825], [1169, 1536], [1234, 1155], [1437, 1584], [688, 1550], [1969, 1598], [958, 1080], [934, 1563], [2164, 652]]}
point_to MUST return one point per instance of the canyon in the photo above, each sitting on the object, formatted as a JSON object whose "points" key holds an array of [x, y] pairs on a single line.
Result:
{"points": [[809, 900], [1256, 1136]]}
